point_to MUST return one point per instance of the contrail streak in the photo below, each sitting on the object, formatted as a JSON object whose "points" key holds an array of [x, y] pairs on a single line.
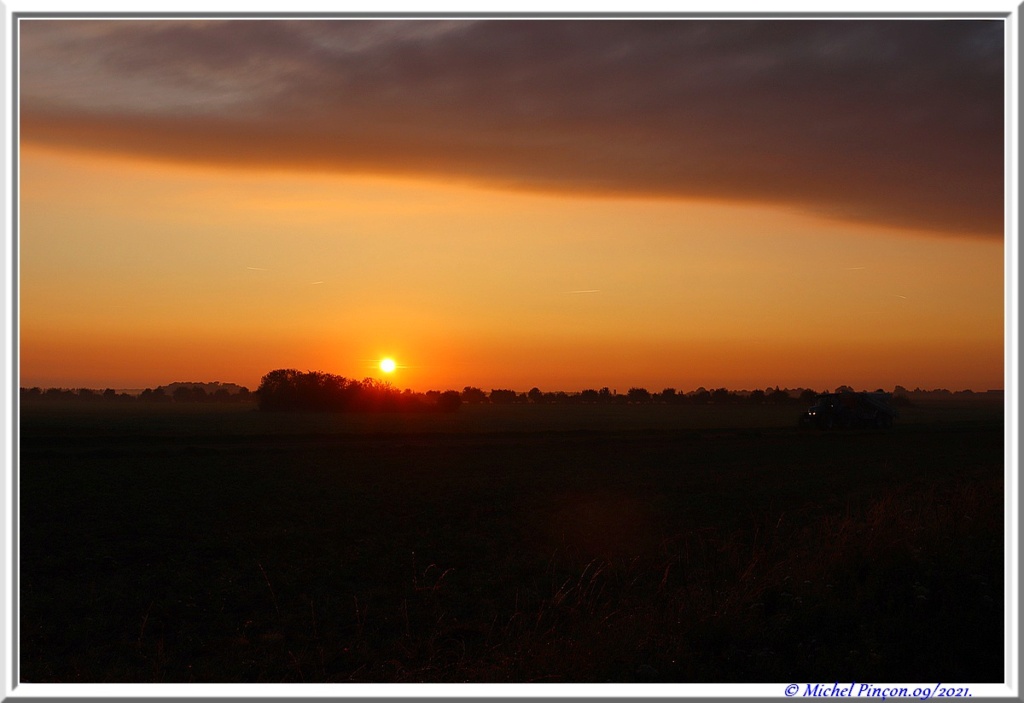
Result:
{"points": [[574, 292]]}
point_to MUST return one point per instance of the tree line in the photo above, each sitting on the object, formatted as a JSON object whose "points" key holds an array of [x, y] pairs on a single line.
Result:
{"points": [[290, 389], [634, 396], [316, 390], [176, 392]]}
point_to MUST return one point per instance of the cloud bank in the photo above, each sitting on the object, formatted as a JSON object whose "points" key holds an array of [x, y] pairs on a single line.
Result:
{"points": [[895, 122]]}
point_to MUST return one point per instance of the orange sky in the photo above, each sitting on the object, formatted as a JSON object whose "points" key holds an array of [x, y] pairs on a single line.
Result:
{"points": [[141, 267]]}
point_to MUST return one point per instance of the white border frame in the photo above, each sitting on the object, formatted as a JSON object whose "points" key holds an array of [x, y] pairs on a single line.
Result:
{"points": [[9, 687]]}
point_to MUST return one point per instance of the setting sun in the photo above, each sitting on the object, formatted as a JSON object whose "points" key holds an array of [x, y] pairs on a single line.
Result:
{"points": [[706, 328], [678, 246]]}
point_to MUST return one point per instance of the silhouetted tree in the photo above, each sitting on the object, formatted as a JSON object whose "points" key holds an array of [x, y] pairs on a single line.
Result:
{"points": [[288, 389], [449, 401], [535, 395], [154, 395], [279, 390], [779, 397], [638, 395], [502, 396], [590, 396], [721, 396], [474, 395]]}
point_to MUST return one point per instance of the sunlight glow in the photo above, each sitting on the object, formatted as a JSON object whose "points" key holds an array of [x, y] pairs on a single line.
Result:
{"points": [[88, 318], [387, 365]]}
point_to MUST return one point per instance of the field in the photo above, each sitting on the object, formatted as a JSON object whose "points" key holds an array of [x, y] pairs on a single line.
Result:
{"points": [[205, 543]]}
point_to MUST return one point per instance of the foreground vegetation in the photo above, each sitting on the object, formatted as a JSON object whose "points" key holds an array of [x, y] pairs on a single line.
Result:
{"points": [[508, 544]]}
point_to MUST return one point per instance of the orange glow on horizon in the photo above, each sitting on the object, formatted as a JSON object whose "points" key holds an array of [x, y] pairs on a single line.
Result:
{"points": [[136, 274]]}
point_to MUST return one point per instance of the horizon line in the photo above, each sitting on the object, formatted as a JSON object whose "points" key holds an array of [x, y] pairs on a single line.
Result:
{"points": [[610, 389]]}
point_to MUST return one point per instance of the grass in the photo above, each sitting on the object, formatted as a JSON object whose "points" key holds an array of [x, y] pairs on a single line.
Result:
{"points": [[219, 420], [496, 545]]}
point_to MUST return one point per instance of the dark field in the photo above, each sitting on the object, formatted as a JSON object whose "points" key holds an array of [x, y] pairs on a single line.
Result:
{"points": [[212, 543]]}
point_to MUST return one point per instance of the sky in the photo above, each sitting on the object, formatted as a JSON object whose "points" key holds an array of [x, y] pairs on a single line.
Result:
{"points": [[513, 203]]}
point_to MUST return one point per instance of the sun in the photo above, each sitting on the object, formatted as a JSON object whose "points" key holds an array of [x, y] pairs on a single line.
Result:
{"points": [[387, 365]]}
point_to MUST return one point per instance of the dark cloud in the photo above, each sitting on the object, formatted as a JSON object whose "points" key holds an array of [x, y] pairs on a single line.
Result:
{"points": [[897, 122]]}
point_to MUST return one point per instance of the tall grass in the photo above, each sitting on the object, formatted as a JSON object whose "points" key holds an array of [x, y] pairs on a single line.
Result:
{"points": [[513, 558]]}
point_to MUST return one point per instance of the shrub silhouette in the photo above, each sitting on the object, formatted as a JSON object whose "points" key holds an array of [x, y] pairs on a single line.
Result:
{"points": [[290, 389], [449, 401], [503, 396]]}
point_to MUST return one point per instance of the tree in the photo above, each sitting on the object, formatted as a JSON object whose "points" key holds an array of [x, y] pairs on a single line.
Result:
{"points": [[470, 394], [289, 389], [502, 396], [721, 396], [154, 395], [278, 390], [779, 397], [449, 401], [638, 395], [590, 396], [189, 394], [535, 395]]}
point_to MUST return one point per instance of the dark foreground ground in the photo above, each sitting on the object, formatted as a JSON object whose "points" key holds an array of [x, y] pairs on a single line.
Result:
{"points": [[515, 544]]}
